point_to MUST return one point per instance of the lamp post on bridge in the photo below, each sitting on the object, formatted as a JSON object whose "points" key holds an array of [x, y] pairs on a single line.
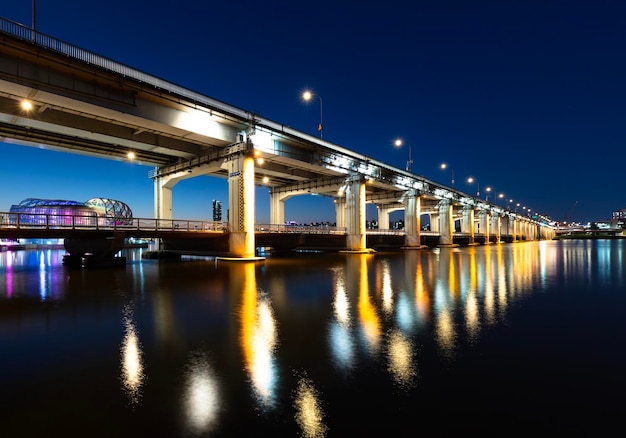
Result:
{"points": [[34, 17], [488, 190], [308, 96], [471, 180], [398, 143], [444, 166]]}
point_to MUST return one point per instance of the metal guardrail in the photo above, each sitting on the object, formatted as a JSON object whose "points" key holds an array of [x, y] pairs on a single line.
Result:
{"points": [[300, 229], [39, 221], [43, 221]]}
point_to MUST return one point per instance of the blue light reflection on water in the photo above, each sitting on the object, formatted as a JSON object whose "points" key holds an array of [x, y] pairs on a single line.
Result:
{"points": [[318, 344]]}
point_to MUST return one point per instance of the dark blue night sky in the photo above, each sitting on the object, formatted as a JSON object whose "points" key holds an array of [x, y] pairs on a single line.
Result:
{"points": [[527, 97]]}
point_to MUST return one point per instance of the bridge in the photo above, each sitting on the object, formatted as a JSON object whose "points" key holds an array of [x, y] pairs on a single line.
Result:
{"points": [[81, 102]]}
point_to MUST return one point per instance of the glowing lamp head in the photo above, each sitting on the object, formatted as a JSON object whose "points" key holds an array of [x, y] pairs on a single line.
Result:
{"points": [[470, 180], [26, 105], [444, 166], [131, 155], [398, 142], [307, 95]]}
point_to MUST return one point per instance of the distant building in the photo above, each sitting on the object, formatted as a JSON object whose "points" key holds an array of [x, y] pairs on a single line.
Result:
{"points": [[217, 211], [620, 214], [619, 218]]}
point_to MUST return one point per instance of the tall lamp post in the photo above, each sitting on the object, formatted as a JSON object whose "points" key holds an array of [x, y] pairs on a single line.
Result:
{"points": [[488, 190], [398, 142], [471, 180], [308, 96], [34, 29], [444, 166]]}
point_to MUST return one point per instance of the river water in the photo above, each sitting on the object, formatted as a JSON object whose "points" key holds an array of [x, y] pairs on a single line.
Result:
{"points": [[503, 339]]}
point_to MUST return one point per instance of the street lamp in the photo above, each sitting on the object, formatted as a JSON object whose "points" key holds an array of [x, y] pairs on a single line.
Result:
{"points": [[307, 96], [398, 142], [470, 180], [488, 190], [444, 166]]}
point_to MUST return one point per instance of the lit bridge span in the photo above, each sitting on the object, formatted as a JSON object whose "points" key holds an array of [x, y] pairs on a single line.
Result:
{"points": [[87, 104]]}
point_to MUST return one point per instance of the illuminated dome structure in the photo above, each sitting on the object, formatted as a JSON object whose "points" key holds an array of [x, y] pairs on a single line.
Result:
{"points": [[61, 212], [111, 208]]}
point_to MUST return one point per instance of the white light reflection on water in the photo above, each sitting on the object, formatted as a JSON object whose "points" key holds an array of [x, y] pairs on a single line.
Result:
{"points": [[258, 339], [405, 318], [400, 357], [201, 395], [387, 291], [132, 365], [341, 343], [341, 305], [309, 413], [43, 284]]}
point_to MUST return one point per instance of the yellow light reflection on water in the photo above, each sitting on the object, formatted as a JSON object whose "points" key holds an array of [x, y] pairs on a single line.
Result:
{"points": [[258, 338], [131, 357], [501, 283], [368, 317], [309, 414], [400, 359], [422, 300], [445, 331]]}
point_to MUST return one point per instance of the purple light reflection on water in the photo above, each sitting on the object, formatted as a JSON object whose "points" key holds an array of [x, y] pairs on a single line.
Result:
{"points": [[19, 264]]}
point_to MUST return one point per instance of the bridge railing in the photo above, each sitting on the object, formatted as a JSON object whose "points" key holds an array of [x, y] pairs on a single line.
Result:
{"points": [[92, 222], [386, 232], [26, 33], [300, 229]]}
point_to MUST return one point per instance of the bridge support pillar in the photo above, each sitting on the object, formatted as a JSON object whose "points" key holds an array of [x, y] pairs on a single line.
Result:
{"points": [[495, 227], [355, 215], [514, 227], [446, 223], [467, 223], [163, 197], [241, 204], [95, 251], [483, 225], [383, 216], [340, 212], [412, 215], [433, 219], [277, 208]]}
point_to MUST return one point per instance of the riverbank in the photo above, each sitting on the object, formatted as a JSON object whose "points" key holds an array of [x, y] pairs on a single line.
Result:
{"points": [[589, 236]]}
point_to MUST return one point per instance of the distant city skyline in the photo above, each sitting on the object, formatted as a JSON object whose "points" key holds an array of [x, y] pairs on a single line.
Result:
{"points": [[525, 98]]}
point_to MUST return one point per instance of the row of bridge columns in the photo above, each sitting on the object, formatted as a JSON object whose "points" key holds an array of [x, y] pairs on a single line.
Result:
{"points": [[350, 212]]}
